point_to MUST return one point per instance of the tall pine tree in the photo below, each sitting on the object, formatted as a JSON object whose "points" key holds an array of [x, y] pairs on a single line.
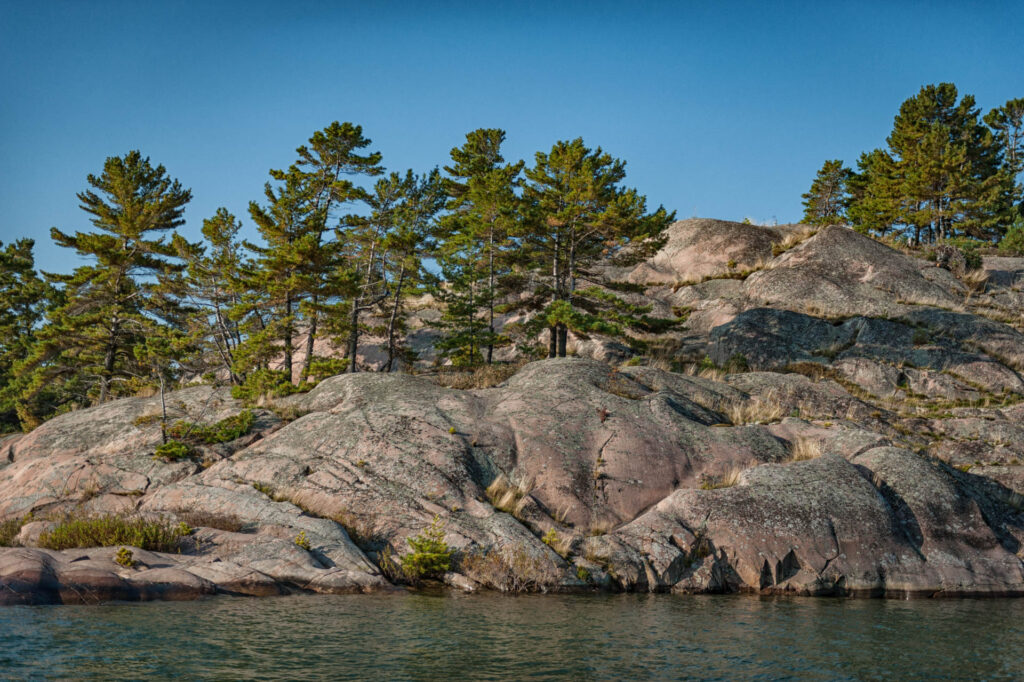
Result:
{"points": [[114, 303]]}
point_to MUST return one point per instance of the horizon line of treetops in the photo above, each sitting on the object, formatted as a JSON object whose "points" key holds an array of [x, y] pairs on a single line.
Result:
{"points": [[340, 256]]}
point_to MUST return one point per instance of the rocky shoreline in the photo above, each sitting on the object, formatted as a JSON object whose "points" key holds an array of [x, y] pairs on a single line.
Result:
{"points": [[868, 444]]}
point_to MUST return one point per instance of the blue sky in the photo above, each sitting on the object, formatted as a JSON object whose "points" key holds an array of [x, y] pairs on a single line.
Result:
{"points": [[720, 109]]}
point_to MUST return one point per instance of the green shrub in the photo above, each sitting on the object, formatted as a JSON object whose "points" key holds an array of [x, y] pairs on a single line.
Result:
{"points": [[737, 363], [173, 450], [223, 431], [267, 382], [109, 531], [124, 557], [969, 248], [1012, 243], [430, 556], [302, 541]]}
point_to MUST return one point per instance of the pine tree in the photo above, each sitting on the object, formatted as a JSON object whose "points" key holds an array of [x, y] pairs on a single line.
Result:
{"points": [[327, 165], [404, 246], [581, 215], [215, 288], [826, 201], [120, 299], [24, 297], [940, 176], [477, 242]]}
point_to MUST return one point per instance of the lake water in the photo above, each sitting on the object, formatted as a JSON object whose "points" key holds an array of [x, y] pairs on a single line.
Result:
{"points": [[446, 636]]}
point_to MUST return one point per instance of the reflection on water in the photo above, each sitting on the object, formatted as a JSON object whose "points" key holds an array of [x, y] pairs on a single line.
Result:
{"points": [[419, 636]]}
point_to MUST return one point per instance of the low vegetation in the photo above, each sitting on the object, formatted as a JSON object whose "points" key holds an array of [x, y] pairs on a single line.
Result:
{"points": [[430, 556], [10, 528], [109, 531], [509, 497], [511, 570], [484, 376]]}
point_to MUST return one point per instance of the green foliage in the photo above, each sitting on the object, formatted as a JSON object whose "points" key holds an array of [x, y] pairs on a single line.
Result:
{"points": [[108, 531], [302, 541], [124, 557], [124, 297], [826, 201], [944, 173], [173, 450], [223, 431], [430, 557], [266, 383], [1012, 243], [10, 528], [583, 574]]}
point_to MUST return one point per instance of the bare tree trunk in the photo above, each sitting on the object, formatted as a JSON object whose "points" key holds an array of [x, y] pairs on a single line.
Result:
{"points": [[490, 294], [353, 337], [288, 336], [308, 360], [394, 316], [163, 412]]}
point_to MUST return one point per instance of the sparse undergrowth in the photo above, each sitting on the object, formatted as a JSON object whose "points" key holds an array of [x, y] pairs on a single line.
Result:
{"points": [[199, 519], [510, 570], [108, 531], [484, 376], [223, 431], [10, 528]]}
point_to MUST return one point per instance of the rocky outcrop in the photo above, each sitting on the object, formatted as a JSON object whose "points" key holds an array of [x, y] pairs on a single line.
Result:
{"points": [[845, 420]]}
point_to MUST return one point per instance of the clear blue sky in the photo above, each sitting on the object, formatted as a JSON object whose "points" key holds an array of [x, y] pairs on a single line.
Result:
{"points": [[720, 109]]}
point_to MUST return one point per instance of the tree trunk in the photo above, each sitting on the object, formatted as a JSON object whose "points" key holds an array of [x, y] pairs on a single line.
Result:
{"points": [[308, 360], [163, 412], [353, 337], [563, 333], [490, 294], [288, 336], [394, 316], [553, 342]]}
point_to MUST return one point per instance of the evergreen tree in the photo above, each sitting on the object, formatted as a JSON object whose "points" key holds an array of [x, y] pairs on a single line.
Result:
{"points": [[581, 215], [477, 241], [24, 297], [404, 246], [113, 304], [825, 203], [941, 175], [327, 165], [214, 285]]}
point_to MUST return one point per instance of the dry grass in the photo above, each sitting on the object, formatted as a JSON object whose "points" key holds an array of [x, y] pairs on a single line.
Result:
{"points": [[484, 376], [510, 570], [200, 519], [976, 280], [507, 496], [726, 480], [759, 264], [804, 449], [792, 239], [757, 410]]}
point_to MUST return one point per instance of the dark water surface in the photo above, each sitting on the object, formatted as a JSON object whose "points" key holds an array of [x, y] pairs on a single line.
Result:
{"points": [[451, 636]]}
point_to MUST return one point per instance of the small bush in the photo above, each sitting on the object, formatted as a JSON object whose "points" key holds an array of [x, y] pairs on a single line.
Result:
{"points": [[173, 450], [430, 556], [737, 364], [109, 531], [124, 557], [268, 383], [302, 541], [1012, 243], [223, 431]]}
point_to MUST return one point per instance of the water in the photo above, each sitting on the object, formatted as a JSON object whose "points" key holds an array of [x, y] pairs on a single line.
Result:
{"points": [[445, 636]]}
